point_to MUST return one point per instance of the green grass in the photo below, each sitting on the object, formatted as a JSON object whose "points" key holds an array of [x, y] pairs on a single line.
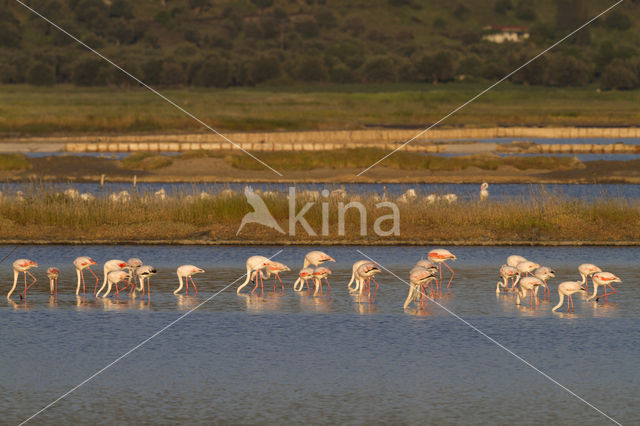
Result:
{"points": [[146, 161], [26, 110], [541, 216]]}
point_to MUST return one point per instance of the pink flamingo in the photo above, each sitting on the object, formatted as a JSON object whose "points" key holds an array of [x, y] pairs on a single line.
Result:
{"points": [[586, 270], [275, 268], [53, 274], [114, 277], [419, 279], [320, 273], [354, 268], [365, 273], [144, 272], [254, 264], [544, 273], [186, 271], [603, 279], [440, 257], [81, 263], [22, 265], [132, 265], [526, 267], [528, 285], [316, 258], [304, 276], [568, 288], [514, 259], [111, 266], [507, 273]]}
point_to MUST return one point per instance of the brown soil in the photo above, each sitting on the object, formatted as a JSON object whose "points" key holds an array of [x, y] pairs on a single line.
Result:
{"points": [[83, 169]]}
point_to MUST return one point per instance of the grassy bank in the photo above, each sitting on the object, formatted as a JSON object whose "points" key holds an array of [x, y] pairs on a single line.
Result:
{"points": [[30, 110], [536, 217]]}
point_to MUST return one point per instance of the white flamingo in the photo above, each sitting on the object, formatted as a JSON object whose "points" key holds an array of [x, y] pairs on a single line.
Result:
{"points": [[586, 270], [81, 263], [111, 266], [507, 273], [514, 259], [419, 278], [186, 271], [22, 265], [528, 285], [484, 193], [144, 272], [544, 273], [568, 288], [354, 268], [364, 275], [113, 278], [316, 258], [603, 279], [527, 267], [254, 264], [275, 268], [321, 272]]}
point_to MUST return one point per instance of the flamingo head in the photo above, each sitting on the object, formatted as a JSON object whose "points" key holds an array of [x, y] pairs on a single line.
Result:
{"points": [[53, 272]]}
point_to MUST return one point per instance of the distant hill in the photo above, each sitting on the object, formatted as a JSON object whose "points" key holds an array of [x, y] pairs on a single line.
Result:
{"points": [[249, 42]]}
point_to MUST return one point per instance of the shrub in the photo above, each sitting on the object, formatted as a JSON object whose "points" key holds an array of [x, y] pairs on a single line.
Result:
{"points": [[311, 68], [502, 6], [379, 69], [152, 71], [618, 21], [340, 73], [567, 70], [354, 26], [325, 18], [121, 9], [87, 72], [525, 11], [437, 67], [172, 74], [618, 76], [41, 74], [307, 27], [146, 161], [213, 71], [14, 162]]}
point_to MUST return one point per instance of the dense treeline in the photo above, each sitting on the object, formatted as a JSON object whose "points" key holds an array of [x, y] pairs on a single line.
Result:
{"points": [[248, 42]]}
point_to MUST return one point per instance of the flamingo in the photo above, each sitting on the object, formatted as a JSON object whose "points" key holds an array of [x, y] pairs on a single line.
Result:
{"points": [[320, 273], [605, 279], [132, 265], [568, 288], [514, 259], [440, 256], [145, 272], [484, 193], [53, 274], [22, 265], [254, 264], [186, 271], [81, 263], [304, 276], [526, 267], [316, 258], [528, 285], [544, 273], [354, 268], [419, 277], [114, 277], [111, 266], [507, 273], [586, 270], [364, 274], [275, 268]]}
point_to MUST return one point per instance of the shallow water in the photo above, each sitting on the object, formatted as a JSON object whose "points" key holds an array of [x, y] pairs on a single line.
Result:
{"points": [[294, 358], [497, 192]]}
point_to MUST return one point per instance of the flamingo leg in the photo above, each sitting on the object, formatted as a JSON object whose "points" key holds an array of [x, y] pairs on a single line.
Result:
{"points": [[95, 289], [571, 300], [376, 290], [254, 276], [452, 273], [82, 275], [608, 294], [194, 285], [32, 282], [328, 285]]}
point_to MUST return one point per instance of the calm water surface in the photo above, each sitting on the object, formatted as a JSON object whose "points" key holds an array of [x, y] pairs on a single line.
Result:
{"points": [[292, 358]]}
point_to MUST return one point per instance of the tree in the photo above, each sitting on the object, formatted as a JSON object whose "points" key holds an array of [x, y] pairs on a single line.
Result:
{"points": [[152, 71], [461, 12], [264, 67], [565, 70], [436, 67], [378, 69], [340, 73], [87, 72], [525, 10], [306, 27], [501, 7], [618, 21], [41, 74], [121, 9], [310, 68], [571, 14], [617, 75], [172, 74]]}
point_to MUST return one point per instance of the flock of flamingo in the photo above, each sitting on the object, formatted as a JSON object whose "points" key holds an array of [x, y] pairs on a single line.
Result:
{"points": [[425, 278]]}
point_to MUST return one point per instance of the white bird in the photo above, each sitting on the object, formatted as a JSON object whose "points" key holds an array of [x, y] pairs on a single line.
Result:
{"points": [[450, 198], [527, 285], [186, 271], [586, 270], [507, 273], [114, 277], [318, 274], [419, 278], [364, 274], [484, 193], [409, 196], [316, 258], [53, 274], [304, 276], [603, 279], [145, 272], [111, 266], [544, 273], [354, 268], [526, 267], [440, 257], [514, 259], [254, 264], [568, 288], [81, 263], [22, 265]]}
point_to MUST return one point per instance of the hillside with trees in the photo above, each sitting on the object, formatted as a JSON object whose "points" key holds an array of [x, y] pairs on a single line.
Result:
{"points": [[207, 43]]}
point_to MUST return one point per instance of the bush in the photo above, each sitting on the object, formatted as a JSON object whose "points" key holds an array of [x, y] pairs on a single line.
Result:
{"points": [[41, 74], [306, 27], [325, 18], [121, 9], [618, 21], [14, 162], [340, 73], [152, 71], [525, 11], [9, 36], [87, 72], [311, 68], [172, 74], [263, 68], [502, 6], [378, 69], [437, 67], [354, 26], [253, 30], [213, 71], [567, 70], [617, 75], [461, 12]]}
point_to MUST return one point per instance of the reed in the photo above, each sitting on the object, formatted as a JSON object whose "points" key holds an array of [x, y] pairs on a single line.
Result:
{"points": [[46, 214]]}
